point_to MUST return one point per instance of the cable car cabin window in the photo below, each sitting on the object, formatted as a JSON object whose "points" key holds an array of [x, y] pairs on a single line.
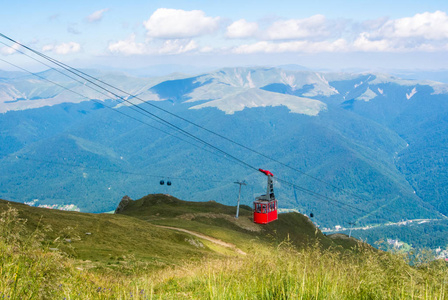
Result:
{"points": [[258, 207], [264, 208]]}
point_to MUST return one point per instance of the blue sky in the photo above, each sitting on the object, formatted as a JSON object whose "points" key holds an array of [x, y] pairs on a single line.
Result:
{"points": [[325, 34]]}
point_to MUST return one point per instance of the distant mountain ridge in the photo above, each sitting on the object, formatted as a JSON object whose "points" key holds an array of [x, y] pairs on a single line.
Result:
{"points": [[368, 134], [33, 92]]}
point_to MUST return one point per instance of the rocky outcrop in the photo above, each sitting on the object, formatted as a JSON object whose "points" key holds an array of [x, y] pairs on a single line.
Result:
{"points": [[123, 203]]}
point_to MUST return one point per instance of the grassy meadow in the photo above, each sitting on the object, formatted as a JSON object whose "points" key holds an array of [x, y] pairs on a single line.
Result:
{"points": [[32, 266]]}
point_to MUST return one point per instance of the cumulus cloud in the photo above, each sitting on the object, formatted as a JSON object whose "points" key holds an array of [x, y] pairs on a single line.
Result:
{"points": [[241, 29], [421, 32], [168, 23], [312, 27], [177, 46], [339, 45], [9, 50], [364, 43], [127, 47], [206, 49], [62, 48], [429, 26], [175, 31], [97, 16], [173, 46]]}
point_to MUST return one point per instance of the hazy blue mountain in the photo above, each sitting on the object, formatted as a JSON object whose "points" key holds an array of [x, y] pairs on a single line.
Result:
{"points": [[436, 75], [5, 75], [379, 138]]}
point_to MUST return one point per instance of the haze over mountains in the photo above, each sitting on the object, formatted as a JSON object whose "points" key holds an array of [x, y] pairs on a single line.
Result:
{"points": [[379, 138]]}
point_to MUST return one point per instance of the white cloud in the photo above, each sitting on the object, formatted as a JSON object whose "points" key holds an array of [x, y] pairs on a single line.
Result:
{"points": [[429, 26], [177, 46], [364, 43], [422, 32], [173, 46], [206, 49], [172, 31], [168, 23], [241, 29], [312, 27], [9, 50], [339, 45], [63, 48], [97, 16], [128, 46]]}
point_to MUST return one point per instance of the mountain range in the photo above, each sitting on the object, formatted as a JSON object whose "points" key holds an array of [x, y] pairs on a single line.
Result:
{"points": [[365, 148]]}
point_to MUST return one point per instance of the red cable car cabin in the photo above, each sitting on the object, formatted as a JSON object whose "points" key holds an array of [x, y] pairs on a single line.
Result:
{"points": [[265, 206]]}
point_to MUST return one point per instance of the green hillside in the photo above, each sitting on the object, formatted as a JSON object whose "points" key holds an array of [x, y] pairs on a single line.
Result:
{"points": [[218, 220], [205, 254], [97, 160], [134, 232], [107, 238]]}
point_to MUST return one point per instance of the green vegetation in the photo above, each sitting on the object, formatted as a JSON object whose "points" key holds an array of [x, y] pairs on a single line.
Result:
{"points": [[99, 156], [32, 268], [218, 220], [105, 238], [373, 141]]}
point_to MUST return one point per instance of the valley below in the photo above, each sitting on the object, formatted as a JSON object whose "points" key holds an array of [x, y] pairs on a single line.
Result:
{"points": [[349, 148], [359, 166]]}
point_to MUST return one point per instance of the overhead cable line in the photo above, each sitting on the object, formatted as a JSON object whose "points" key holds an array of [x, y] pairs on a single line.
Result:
{"points": [[73, 78], [74, 70], [318, 195], [115, 110], [99, 102], [241, 162], [169, 124]]}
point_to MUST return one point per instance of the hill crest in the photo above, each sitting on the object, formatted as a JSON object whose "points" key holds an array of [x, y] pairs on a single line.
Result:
{"points": [[166, 224]]}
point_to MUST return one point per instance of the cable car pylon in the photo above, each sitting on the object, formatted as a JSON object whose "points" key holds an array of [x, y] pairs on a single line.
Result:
{"points": [[351, 224], [265, 206], [239, 196]]}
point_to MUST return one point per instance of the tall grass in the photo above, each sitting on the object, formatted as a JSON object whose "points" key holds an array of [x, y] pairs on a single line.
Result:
{"points": [[30, 270], [311, 273]]}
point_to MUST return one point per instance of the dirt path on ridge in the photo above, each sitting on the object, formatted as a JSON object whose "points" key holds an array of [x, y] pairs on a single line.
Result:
{"points": [[206, 237]]}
